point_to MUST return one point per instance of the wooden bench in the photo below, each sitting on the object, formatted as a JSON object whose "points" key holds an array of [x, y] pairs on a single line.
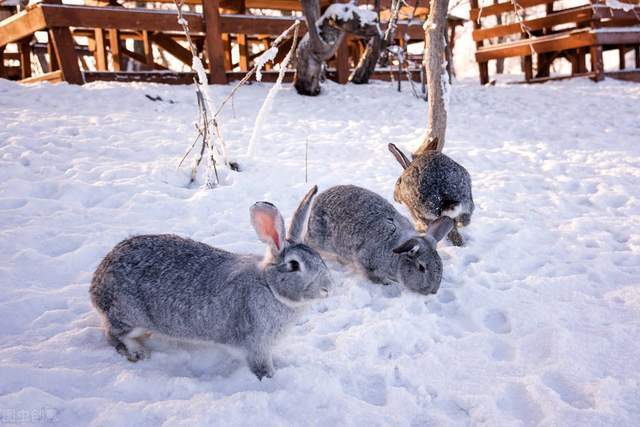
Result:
{"points": [[569, 33], [108, 26]]}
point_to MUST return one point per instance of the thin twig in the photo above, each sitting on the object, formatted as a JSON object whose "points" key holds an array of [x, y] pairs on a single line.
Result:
{"points": [[251, 72]]}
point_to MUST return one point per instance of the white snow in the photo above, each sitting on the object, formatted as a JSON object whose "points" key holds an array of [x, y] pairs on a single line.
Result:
{"points": [[345, 11], [268, 55], [617, 4], [537, 321]]}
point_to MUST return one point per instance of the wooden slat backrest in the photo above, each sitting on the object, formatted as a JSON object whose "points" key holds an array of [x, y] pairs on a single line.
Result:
{"points": [[574, 15], [503, 7]]}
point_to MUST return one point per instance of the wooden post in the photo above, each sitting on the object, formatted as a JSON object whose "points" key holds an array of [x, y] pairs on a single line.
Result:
{"points": [[147, 46], [243, 50], [449, 50], [25, 57], [214, 46], [544, 64], [528, 67], [621, 52], [342, 61], [582, 63], [572, 56], [100, 53], [226, 42], [65, 54], [597, 65], [636, 51], [53, 59], [482, 66], [2, 61], [114, 45]]}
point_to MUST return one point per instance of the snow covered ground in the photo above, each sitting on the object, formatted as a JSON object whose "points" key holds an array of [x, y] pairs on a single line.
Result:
{"points": [[537, 321]]}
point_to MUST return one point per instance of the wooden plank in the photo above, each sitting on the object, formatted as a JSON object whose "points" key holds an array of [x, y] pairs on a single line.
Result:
{"points": [[66, 55], [117, 60], [2, 70], [53, 77], [581, 14], [250, 25], [243, 50], [503, 7], [25, 57], [547, 79], [597, 64], [100, 53], [483, 66], [147, 47], [342, 62], [173, 77], [173, 47], [563, 41], [12, 73], [627, 75], [213, 41], [226, 42], [605, 37], [159, 20], [141, 59], [119, 18], [53, 59], [528, 68], [21, 25]]}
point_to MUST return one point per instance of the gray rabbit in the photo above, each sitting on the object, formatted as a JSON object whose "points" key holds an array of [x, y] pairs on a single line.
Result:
{"points": [[433, 185], [189, 290], [361, 227]]}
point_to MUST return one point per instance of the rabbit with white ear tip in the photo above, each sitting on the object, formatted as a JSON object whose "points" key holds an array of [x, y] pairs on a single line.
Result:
{"points": [[189, 290], [433, 185], [361, 227]]}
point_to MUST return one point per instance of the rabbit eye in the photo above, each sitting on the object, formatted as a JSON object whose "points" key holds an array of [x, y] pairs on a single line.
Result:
{"points": [[421, 268], [293, 265]]}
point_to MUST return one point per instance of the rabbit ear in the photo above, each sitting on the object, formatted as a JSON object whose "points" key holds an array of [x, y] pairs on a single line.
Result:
{"points": [[299, 219], [440, 228], [399, 155], [409, 247], [269, 225]]}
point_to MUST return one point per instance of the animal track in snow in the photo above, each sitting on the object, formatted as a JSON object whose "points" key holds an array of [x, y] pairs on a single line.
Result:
{"points": [[502, 351], [568, 391], [325, 344], [372, 389], [445, 296], [497, 321], [12, 203], [516, 401]]}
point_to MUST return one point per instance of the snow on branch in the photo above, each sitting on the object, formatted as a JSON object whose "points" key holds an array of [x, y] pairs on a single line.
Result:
{"points": [[206, 120], [266, 106], [209, 133], [346, 11]]}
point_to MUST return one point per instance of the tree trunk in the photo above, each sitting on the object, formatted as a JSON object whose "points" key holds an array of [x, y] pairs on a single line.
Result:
{"points": [[377, 48], [368, 61], [324, 35], [437, 79]]}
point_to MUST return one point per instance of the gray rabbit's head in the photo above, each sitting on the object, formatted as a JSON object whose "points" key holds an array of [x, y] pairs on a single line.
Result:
{"points": [[419, 265], [293, 271]]}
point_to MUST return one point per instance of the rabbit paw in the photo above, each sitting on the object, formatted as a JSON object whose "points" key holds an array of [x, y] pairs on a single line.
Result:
{"points": [[262, 370], [134, 351], [455, 237]]}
